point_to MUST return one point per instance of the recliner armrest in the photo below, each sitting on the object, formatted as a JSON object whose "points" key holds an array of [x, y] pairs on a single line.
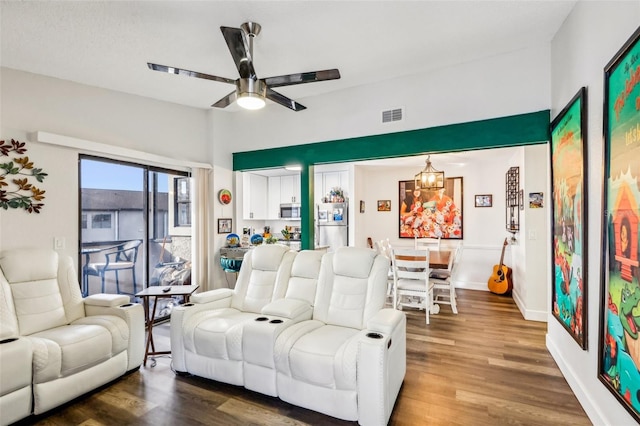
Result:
{"points": [[385, 321], [382, 365], [212, 296], [132, 314], [107, 300], [288, 308]]}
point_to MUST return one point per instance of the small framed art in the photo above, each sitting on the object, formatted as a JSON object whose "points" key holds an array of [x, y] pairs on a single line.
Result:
{"points": [[384, 205], [224, 225], [484, 200], [536, 200]]}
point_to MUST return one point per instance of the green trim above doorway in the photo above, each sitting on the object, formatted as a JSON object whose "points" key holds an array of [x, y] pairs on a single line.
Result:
{"points": [[516, 130]]}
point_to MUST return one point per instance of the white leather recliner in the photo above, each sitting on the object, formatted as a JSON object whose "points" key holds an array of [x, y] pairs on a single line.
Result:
{"points": [[206, 334], [349, 360], [259, 337], [78, 344]]}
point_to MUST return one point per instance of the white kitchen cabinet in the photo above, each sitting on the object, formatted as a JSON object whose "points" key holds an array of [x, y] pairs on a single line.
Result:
{"points": [[325, 181], [273, 210], [254, 199], [290, 189]]}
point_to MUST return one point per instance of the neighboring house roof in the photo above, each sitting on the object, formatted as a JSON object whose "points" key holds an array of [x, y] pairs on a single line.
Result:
{"points": [[109, 199]]}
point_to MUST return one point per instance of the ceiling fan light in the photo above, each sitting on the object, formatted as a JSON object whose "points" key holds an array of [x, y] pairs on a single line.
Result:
{"points": [[251, 101]]}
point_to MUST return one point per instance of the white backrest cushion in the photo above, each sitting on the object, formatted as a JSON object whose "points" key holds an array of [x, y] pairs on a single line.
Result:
{"points": [[70, 289], [264, 270], [351, 287], [305, 271], [33, 278]]}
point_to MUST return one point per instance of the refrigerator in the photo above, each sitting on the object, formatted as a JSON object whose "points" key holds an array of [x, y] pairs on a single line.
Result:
{"points": [[332, 225]]}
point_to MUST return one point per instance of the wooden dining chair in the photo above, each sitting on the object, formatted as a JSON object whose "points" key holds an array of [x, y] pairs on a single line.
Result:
{"points": [[444, 292], [411, 285], [427, 243]]}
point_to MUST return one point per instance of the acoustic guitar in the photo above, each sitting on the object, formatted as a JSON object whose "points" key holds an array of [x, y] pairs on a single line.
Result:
{"points": [[500, 280]]}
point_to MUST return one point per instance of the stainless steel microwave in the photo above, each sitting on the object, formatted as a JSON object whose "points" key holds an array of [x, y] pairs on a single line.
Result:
{"points": [[290, 211]]}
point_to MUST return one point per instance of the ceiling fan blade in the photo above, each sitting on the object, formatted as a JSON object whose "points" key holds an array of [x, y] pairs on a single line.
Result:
{"points": [[226, 101], [283, 100], [303, 77], [240, 51], [179, 71]]}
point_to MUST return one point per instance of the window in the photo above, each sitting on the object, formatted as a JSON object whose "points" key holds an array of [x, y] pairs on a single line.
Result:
{"points": [[128, 204], [101, 221], [182, 203]]}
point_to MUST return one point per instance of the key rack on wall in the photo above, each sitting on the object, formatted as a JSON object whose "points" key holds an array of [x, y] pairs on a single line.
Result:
{"points": [[512, 185]]}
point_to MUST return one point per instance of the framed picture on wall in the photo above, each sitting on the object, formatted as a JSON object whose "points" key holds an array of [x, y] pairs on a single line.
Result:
{"points": [[569, 217], [619, 340], [224, 226], [384, 205], [484, 200], [431, 214]]}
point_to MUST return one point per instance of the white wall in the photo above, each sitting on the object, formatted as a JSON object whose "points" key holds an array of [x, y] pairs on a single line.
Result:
{"points": [[531, 252], [587, 41], [31, 103], [488, 88]]}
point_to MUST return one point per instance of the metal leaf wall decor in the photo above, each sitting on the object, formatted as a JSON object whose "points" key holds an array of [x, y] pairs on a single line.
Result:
{"points": [[16, 189]]}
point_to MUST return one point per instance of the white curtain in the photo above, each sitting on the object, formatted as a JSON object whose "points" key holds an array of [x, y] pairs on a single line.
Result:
{"points": [[200, 231]]}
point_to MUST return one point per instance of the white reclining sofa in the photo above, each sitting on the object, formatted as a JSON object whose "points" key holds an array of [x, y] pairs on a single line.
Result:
{"points": [[65, 345], [206, 334], [318, 335]]}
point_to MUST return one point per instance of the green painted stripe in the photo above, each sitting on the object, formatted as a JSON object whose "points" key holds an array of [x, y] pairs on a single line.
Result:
{"points": [[515, 130]]}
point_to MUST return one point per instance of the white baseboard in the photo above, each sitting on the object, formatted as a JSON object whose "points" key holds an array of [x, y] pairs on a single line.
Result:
{"points": [[582, 394], [528, 314], [470, 285]]}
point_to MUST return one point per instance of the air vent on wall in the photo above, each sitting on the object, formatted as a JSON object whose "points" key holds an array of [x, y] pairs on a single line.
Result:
{"points": [[392, 115]]}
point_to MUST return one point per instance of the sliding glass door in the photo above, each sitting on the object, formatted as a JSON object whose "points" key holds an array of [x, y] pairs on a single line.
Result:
{"points": [[135, 228]]}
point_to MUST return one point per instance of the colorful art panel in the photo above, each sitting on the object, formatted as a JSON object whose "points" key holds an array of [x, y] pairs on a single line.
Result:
{"points": [[619, 340], [431, 214], [569, 232]]}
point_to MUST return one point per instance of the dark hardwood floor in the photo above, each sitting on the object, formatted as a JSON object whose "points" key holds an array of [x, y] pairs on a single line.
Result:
{"points": [[484, 366]]}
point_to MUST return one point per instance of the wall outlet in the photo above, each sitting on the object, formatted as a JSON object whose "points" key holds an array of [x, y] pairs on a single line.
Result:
{"points": [[59, 243], [533, 235]]}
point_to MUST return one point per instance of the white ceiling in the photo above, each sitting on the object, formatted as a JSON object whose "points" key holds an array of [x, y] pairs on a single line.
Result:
{"points": [[107, 44]]}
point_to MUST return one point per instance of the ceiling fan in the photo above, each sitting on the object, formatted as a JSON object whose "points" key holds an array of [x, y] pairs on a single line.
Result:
{"points": [[251, 91]]}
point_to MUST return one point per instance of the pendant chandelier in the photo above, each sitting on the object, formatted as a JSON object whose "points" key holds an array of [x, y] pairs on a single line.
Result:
{"points": [[429, 178]]}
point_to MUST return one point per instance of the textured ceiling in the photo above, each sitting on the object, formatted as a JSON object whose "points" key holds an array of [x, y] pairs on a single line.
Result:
{"points": [[107, 44]]}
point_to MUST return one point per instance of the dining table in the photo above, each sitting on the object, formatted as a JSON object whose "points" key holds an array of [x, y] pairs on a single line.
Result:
{"points": [[438, 259]]}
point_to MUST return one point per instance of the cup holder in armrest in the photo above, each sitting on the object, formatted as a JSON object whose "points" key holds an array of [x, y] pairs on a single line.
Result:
{"points": [[262, 319], [276, 321], [9, 340], [186, 305], [126, 305], [374, 335]]}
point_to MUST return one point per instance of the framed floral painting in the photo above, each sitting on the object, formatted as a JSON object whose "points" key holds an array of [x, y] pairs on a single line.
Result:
{"points": [[431, 213]]}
